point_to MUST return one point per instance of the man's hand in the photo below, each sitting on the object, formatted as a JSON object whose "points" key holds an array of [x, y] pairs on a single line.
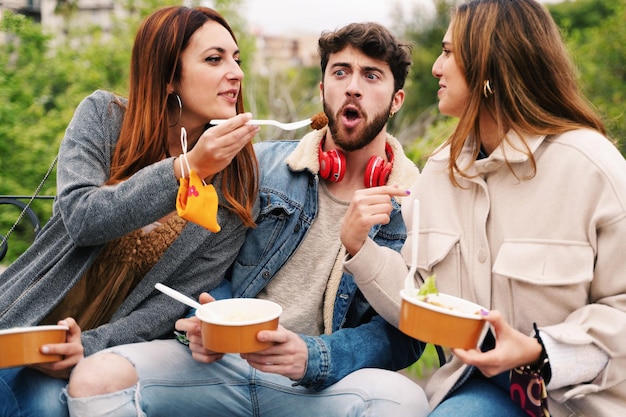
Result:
{"points": [[193, 328], [369, 206], [288, 356]]}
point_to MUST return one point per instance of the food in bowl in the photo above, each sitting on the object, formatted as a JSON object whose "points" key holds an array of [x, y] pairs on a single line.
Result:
{"points": [[21, 346], [429, 287], [444, 302], [441, 319], [429, 293], [231, 325]]}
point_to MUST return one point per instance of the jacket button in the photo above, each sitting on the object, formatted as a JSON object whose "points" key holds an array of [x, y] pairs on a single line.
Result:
{"points": [[266, 274], [297, 228], [482, 256]]}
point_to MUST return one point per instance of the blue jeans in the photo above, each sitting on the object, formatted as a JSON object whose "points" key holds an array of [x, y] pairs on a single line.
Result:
{"points": [[480, 397], [25, 392], [172, 383]]}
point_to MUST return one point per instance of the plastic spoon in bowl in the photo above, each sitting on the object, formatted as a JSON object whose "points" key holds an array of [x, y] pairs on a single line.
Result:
{"points": [[177, 295], [409, 281]]}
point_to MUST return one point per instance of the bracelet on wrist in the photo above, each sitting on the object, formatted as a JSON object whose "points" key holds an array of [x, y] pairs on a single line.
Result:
{"points": [[542, 365]]}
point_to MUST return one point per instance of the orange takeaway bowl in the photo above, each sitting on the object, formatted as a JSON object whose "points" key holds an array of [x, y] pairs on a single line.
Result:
{"points": [[231, 325], [20, 346], [446, 321]]}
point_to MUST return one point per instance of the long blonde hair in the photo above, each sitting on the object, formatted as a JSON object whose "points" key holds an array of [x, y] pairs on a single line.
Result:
{"points": [[517, 46]]}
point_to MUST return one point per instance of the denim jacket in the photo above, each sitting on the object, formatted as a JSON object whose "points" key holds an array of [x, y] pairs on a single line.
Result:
{"points": [[360, 338]]}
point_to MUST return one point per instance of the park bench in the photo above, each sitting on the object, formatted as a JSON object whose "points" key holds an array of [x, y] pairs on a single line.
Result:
{"points": [[21, 202]]}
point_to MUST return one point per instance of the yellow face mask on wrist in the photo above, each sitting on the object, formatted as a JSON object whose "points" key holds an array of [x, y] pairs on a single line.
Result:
{"points": [[196, 201]]}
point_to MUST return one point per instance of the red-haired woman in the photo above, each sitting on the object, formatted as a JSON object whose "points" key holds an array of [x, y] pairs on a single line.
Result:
{"points": [[115, 231]]}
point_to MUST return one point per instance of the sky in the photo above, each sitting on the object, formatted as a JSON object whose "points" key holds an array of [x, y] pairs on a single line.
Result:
{"points": [[284, 16], [277, 17]]}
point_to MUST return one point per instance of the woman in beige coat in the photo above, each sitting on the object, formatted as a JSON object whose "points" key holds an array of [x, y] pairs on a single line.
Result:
{"points": [[523, 211]]}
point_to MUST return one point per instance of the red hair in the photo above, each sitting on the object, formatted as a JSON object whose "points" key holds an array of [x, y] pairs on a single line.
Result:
{"points": [[155, 64]]}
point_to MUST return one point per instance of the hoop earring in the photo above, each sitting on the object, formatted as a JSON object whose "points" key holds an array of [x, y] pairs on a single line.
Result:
{"points": [[391, 114], [180, 110], [487, 91]]}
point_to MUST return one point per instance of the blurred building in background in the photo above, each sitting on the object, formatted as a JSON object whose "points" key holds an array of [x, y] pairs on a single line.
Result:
{"points": [[277, 52], [57, 17]]}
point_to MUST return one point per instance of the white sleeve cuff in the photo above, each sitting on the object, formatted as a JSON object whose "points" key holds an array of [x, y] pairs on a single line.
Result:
{"points": [[573, 364]]}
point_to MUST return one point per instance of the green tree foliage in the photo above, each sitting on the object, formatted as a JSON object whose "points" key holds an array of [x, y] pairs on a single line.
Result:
{"points": [[290, 95], [425, 33], [419, 125], [30, 118], [595, 32], [40, 86]]}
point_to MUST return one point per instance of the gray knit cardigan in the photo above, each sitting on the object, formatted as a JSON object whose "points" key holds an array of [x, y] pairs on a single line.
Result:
{"points": [[87, 214]]}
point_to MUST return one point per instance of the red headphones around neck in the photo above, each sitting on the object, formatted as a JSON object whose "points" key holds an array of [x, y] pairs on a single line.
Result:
{"points": [[333, 166]]}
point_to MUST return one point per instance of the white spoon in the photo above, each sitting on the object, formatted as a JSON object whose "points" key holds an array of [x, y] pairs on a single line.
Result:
{"points": [[283, 126], [177, 295], [409, 281]]}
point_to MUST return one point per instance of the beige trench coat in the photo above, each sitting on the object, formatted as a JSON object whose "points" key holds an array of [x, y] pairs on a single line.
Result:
{"points": [[548, 248]]}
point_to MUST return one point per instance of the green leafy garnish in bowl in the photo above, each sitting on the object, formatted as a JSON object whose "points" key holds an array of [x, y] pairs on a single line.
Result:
{"points": [[429, 287]]}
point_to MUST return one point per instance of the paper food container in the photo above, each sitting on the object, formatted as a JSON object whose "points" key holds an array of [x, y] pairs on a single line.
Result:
{"points": [[21, 345], [449, 321], [231, 325]]}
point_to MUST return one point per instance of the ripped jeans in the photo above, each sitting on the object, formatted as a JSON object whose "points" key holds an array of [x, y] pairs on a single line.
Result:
{"points": [[172, 383]]}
